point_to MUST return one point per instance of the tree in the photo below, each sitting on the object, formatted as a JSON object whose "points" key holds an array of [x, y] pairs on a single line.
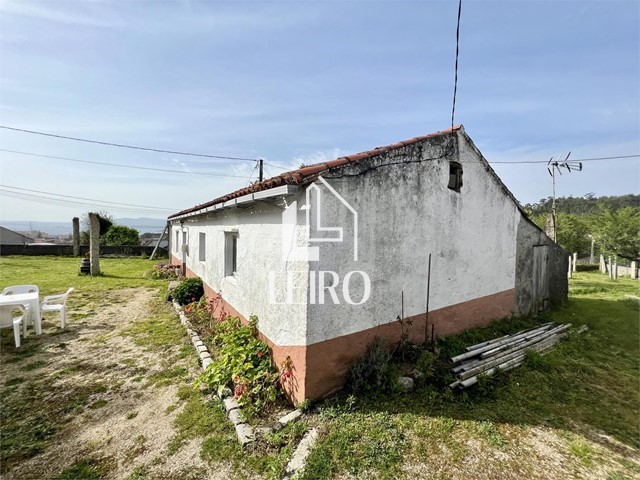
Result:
{"points": [[106, 221], [618, 233], [573, 233], [121, 235]]}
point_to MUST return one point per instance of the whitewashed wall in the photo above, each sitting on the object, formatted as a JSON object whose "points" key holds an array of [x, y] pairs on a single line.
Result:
{"points": [[406, 212], [259, 252]]}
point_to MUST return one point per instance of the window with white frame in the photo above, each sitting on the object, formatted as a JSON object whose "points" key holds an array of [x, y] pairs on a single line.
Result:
{"points": [[202, 244], [230, 253]]}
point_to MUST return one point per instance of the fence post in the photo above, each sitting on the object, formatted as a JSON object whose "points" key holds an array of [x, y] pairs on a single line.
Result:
{"points": [[575, 260], [76, 236], [94, 243], [634, 270]]}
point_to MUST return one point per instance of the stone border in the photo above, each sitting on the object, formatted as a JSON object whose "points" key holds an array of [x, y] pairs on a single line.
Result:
{"points": [[244, 431]]}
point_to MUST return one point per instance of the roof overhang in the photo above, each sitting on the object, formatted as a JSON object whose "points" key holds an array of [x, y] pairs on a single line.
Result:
{"points": [[245, 200]]}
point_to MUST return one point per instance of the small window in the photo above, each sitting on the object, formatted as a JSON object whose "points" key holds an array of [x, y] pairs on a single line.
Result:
{"points": [[202, 243], [177, 241], [230, 253], [184, 242], [455, 176]]}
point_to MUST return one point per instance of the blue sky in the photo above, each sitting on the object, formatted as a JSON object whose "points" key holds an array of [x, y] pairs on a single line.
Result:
{"points": [[295, 82]]}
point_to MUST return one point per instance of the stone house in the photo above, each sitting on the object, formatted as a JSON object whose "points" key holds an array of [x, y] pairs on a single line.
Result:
{"points": [[331, 255]]}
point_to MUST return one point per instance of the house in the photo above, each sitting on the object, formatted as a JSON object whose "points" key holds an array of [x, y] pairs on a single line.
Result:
{"points": [[9, 237], [331, 255]]}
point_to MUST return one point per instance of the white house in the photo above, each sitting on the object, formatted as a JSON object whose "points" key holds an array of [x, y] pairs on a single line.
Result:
{"points": [[330, 255]]}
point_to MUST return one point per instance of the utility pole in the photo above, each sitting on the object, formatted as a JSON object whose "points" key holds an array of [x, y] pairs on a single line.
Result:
{"points": [[552, 167], [260, 176]]}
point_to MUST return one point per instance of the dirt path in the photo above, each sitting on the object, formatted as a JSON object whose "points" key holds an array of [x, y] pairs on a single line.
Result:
{"points": [[110, 386]]}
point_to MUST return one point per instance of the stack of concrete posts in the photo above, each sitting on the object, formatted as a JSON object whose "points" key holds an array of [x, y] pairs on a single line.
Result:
{"points": [[504, 353]]}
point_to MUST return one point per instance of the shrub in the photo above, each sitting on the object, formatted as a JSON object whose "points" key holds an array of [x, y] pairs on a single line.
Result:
{"points": [[374, 372], [164, 270], [121, 235], [189, 290], [426, 363], [242, 363]]}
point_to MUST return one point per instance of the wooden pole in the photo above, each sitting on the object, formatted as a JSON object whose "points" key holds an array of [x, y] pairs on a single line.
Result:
{"points": [[166, 227]]}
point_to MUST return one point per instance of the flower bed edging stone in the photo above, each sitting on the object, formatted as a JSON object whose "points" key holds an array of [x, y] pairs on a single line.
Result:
{"points": [[299, 457], [244, 431]]}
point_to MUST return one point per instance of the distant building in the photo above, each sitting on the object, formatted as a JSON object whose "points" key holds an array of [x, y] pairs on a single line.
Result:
{"points": [[9, 237]]}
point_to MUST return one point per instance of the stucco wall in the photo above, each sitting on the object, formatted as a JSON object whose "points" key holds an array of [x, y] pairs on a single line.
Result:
{"points": [[406, 211], [259, 254], [528, 237]]}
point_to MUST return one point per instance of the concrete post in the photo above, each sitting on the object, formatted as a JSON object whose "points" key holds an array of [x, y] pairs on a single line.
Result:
{"points": [[634, 270], [603, 265], [570, 271], [575, 261], [94, 243], [614, 271], [76, 237]]}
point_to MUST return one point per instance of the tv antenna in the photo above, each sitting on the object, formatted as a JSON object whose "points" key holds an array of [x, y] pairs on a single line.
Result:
{"points": [[554, 166]]}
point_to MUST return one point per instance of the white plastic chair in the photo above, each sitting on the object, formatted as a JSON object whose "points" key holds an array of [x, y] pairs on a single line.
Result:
{"points": [[56, 303], [18, 289], [7, 320]]}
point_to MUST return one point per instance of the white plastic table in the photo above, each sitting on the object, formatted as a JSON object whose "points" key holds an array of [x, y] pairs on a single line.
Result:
{"points": [[32, 299]]}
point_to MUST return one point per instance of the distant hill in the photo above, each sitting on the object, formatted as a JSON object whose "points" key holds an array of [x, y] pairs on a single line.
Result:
{"points": [[583, 205], [143, 225]]}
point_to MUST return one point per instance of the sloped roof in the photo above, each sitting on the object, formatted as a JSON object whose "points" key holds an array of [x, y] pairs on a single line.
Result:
{"points": [[305, 175], [9, 237]]}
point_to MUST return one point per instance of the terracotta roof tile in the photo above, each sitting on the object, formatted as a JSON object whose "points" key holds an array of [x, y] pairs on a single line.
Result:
{"points": [[308, 174]]}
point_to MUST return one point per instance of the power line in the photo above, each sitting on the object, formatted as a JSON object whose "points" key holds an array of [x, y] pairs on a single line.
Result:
{"points": [[59, 201], [455, 81], [594, 159], [89, 199], [133, 147], [120, 164]]}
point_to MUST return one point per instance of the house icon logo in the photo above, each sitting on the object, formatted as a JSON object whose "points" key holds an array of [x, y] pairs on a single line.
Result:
{"points": [[301, 242]]}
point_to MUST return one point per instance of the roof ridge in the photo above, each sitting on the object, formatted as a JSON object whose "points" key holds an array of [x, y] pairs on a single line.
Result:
{"points": [[299, 176]]}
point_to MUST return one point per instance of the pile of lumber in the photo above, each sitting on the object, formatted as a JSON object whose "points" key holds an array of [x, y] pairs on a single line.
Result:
{"points": [[504, 353]]}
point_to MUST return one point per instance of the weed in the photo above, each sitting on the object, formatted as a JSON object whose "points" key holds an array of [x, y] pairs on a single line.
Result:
{"points": [[98, 404], [374, 371], [132, 415], [198, 418], [489, 432], [168, 377], [617, 476], [86, 469], [583, 451], [35, 365], [14, 381], [138, 473]]}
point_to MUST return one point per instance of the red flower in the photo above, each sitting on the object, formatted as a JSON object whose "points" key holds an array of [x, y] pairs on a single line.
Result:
{"points": [[238, 391], [260, 354]]}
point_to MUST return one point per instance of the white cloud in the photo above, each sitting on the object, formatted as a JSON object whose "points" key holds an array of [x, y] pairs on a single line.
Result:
{"points": [[89, 14]]}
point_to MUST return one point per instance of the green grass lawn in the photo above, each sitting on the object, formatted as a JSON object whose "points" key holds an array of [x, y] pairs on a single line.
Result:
{"points": [[587, 390], [573, 413], [56, 274]]}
